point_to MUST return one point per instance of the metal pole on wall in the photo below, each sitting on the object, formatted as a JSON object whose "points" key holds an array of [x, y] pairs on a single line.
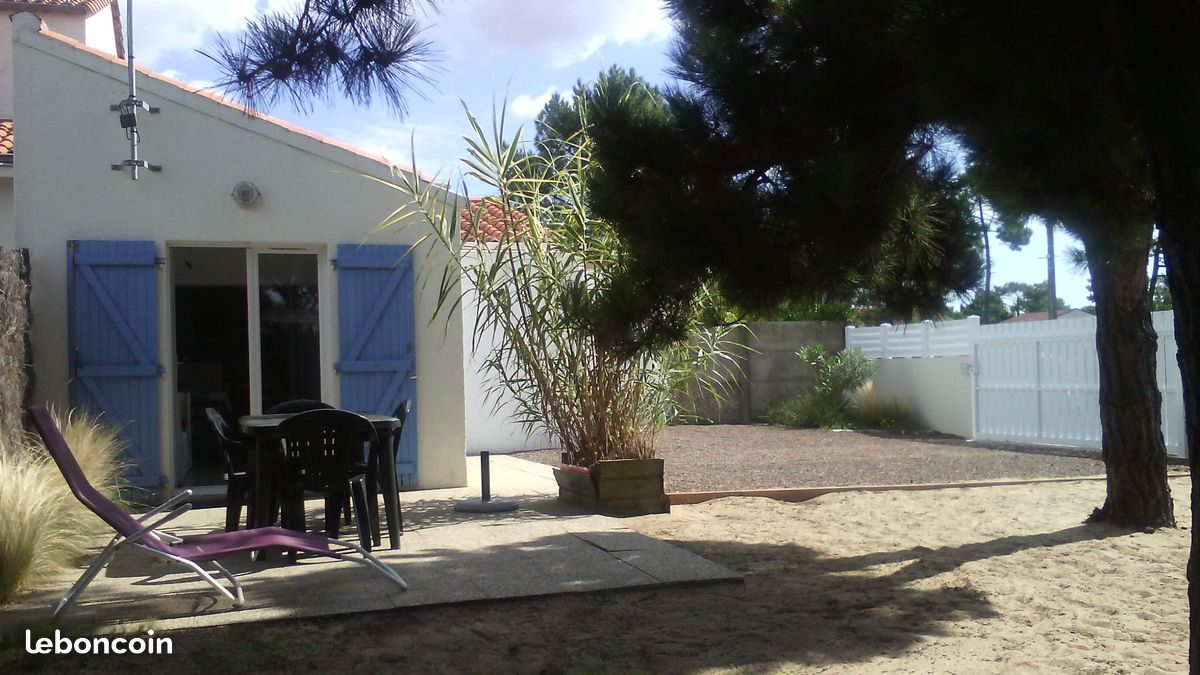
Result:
{"points": [[133, 137], [127, 109]]}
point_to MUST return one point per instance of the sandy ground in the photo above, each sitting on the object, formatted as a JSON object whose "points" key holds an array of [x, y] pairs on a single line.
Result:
{"points": [[989, 580], [986, 580]]}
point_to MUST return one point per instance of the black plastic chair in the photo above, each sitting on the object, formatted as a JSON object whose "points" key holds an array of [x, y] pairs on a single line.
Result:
{"points": [[375, 478], [237, 476], [401, 414], [298, 405], [323, 452]]}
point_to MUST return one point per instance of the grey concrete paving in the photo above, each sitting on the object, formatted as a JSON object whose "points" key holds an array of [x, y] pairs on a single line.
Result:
{"points": [[542, 548]]}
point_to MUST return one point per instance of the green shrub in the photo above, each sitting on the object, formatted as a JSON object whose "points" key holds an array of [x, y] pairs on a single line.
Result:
{"points": [[808, 411], [43, 528], [838, 376]]}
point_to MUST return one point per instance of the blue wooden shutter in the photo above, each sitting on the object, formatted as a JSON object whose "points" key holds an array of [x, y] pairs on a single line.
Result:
{"points": [[377, 342], [113, 342]]}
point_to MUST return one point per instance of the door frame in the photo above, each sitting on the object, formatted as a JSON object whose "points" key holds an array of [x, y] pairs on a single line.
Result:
{"points": [[327, 325]]}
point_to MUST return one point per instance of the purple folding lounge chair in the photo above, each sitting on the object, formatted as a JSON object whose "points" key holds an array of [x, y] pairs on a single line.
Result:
{"points": [[187, 551]]}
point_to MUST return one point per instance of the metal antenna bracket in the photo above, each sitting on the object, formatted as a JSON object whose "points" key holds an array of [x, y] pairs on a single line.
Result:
{"points": [[127, 109], [136, 163]]}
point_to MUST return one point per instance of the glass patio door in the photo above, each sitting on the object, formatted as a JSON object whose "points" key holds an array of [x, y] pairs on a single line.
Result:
{"points": [[246, 336], [286, 326]]}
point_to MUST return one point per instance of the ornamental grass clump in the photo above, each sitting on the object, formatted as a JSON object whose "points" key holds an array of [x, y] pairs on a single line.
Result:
{"points": [[43, 528], [535, 285], [870, 410]]}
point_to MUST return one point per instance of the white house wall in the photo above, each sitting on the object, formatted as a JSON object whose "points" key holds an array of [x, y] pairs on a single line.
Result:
{"points": [[6, 71], [939, 390], [490, 423], [73, 26], [98, 32], [312, 194]]}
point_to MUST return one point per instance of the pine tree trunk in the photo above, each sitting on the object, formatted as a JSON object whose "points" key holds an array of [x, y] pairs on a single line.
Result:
{"points": [[987, 265], [1167, 70], [1051, 281], [1181, 248], [1175, 159], [1135, 457]]}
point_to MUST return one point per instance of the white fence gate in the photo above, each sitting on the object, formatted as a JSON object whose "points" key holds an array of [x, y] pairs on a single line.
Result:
{"points": [[1034, 381]]}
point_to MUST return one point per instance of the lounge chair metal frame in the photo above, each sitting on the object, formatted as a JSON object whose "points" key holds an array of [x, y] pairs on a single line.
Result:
{"points": [[149, 538]]}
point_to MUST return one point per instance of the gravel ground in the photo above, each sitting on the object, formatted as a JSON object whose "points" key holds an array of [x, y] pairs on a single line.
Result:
{"points": [[733, 457]]}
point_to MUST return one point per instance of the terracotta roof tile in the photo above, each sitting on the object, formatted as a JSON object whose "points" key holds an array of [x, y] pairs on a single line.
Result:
{"points": [[6, 141], [492, 222], [88, 7]]}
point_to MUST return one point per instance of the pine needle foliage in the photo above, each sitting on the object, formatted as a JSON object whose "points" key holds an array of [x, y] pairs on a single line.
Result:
{"points": [[363, 49]]}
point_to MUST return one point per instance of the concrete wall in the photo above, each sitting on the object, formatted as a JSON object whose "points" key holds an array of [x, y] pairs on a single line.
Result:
{"points": [[313, 195], [770, 369], [939, 390], [733, 404]]}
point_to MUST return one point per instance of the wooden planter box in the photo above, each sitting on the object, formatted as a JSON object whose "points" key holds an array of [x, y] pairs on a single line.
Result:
{"points": [[615, 487]]}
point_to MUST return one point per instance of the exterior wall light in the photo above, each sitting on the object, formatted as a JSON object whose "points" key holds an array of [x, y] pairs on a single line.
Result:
{"points": [[245, 193]]}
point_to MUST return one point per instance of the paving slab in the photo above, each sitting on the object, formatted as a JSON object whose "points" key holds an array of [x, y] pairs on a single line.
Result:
{"points": [[543, 548]]}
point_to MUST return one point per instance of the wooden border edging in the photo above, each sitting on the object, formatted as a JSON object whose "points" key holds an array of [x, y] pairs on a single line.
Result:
{"points": [[805, 494]]}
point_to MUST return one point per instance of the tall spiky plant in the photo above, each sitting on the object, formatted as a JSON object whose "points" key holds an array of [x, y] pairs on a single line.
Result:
{"points": [[535, 286]]}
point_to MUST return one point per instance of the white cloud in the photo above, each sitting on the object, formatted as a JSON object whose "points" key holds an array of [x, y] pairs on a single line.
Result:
{"points": [[437, 147], [555, 33], [559, 33], [207, 85], [642, 22], [529, 106], [164, 26]]}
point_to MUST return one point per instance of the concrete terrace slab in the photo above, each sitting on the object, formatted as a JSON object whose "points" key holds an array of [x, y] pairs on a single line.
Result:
{"points": [[445, 556]]}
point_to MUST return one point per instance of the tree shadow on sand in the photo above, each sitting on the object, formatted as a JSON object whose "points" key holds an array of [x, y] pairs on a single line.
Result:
{"points": [[796, 607]]}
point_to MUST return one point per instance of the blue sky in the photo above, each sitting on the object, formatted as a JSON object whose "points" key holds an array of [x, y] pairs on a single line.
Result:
{"points": [[491, 51]]}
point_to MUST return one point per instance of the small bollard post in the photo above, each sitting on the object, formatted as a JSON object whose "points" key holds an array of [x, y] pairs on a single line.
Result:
{"points": [[485, 473], [485, 505]]}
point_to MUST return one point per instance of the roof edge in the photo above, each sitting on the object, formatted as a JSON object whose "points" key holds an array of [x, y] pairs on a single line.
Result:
{"points": [[197, 99], [85, 8]]}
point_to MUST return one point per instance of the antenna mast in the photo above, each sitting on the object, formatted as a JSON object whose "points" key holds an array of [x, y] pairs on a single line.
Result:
{"points": [[128, 108]]}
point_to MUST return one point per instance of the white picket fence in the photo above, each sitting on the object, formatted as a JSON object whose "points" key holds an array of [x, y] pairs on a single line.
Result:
{"points": [[925, 339], [1034, 381]]}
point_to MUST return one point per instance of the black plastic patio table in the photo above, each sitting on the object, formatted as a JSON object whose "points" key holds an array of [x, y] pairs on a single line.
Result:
{"points": [[265, 463]]}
